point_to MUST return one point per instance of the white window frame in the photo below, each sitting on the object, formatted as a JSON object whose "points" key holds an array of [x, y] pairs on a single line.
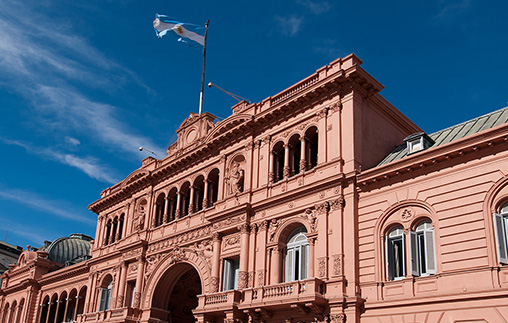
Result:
{"points": [[415, 145], [297, 255], [230, 270], [501, 233], [392, 257], [105, 300], [422, 250]]}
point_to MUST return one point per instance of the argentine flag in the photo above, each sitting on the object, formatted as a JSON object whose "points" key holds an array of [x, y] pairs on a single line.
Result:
{"points": [[187, 33]]}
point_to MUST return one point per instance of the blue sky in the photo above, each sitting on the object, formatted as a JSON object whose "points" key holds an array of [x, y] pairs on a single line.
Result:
{"points": [[83, 84]]}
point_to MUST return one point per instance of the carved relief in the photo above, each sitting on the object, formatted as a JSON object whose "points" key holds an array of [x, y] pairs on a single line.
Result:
{"points": [[322, 267], [214, 284], [322, 207], [231, 242], [338, 318], [261, 277], [310, 216], [236, 176], [337, 265], [263, 225], [338, 203], [242, 279], [407, 214]]}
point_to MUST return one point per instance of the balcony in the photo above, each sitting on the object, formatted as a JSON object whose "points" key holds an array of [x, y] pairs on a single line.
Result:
{"points": [[301, 294], [218, 302]]}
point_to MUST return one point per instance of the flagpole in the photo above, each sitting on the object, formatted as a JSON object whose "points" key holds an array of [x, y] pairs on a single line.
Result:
{"points": [[203, 73]]}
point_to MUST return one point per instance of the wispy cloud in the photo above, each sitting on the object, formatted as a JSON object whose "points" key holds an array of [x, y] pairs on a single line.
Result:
{"points": [[55, 63], [289, 25], [448, 9], [38, 203], [89, 165], [87, 116], [316, 7]]}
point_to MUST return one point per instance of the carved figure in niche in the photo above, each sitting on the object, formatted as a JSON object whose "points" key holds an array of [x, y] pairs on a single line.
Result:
{"points": [[138, 221], [236, 178]]}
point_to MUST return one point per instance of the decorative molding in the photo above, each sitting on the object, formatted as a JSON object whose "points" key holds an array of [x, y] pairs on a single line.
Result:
{"points": [[337, 264]]}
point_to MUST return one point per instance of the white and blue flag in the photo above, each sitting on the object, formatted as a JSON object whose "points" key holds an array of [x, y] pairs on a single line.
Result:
{"points": [[187, 33]]}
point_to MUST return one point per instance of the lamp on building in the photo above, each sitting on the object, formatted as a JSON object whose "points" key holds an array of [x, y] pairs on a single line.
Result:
{"points": [[151, 152], [234, 96]]}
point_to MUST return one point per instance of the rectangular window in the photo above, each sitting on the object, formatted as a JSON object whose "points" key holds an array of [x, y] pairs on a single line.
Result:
{"points": [[230, 274]]}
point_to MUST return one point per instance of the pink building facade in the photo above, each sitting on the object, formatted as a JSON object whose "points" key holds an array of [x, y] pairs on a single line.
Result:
{"points": [[322, 203]]}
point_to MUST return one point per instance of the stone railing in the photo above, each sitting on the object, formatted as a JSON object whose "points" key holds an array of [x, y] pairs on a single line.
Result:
{"points": [[218, 301], [309, 288]]}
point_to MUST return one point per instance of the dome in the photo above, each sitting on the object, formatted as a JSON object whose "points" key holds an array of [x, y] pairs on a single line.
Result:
{"points": [[70, 249]]}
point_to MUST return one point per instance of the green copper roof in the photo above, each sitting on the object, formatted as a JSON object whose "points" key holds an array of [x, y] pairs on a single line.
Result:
{"points": [[461, 130]]}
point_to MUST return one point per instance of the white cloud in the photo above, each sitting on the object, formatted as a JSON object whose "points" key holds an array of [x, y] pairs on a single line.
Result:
{"points": [[289, 26], [73, 141], [315, 7], [87, 116], [38, 203], [88, 165]]}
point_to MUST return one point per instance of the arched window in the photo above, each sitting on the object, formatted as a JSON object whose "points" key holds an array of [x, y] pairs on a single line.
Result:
{"points": [[115, 228], [278, 161], [501, 226], [294, 155], [108, 233], [61, 309], [20, 310], [43, 310], [120, 226], [422, 255], [184, 199], [395, 254], [159, 209], [421, 246], [213, 187], [80, 300], [297, 250], [199, 190], [105, 298], [311, 147], [5, 315], [12, 313], [172, 204]]}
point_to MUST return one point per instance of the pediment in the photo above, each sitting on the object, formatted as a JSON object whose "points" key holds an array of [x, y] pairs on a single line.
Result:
{"points": [[228, 124], [133, 177]]}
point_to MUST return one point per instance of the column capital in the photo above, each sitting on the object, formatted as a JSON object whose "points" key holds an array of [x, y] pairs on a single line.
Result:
{"points": [[216, 236]]}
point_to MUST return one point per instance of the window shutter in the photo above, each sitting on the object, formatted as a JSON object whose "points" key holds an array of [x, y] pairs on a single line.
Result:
{"points": [[413, 251], [304, 264], [403, 260], [102, 304], [500, 238], [290, 264], [430, 252], [226, 274], [389, 259], [236, 265]]}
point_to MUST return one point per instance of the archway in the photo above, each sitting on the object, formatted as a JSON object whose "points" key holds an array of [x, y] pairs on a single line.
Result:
{"points": [[175, 295]]}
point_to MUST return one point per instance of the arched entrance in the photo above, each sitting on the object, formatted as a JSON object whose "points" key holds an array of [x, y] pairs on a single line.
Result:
{"points": [[175, 295]]}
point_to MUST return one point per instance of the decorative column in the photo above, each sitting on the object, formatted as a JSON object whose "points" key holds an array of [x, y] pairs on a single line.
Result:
{"points": [[261, 256], [139, 281], [215, 262], [165, 217], [205, 195], [271, 166], [275, 274], [244, 256], [178, 202], [49, 311], [303, 158], [121, 285], [191, 200], [76, 307], [64, 318], [286, 160], [312, 244]]}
